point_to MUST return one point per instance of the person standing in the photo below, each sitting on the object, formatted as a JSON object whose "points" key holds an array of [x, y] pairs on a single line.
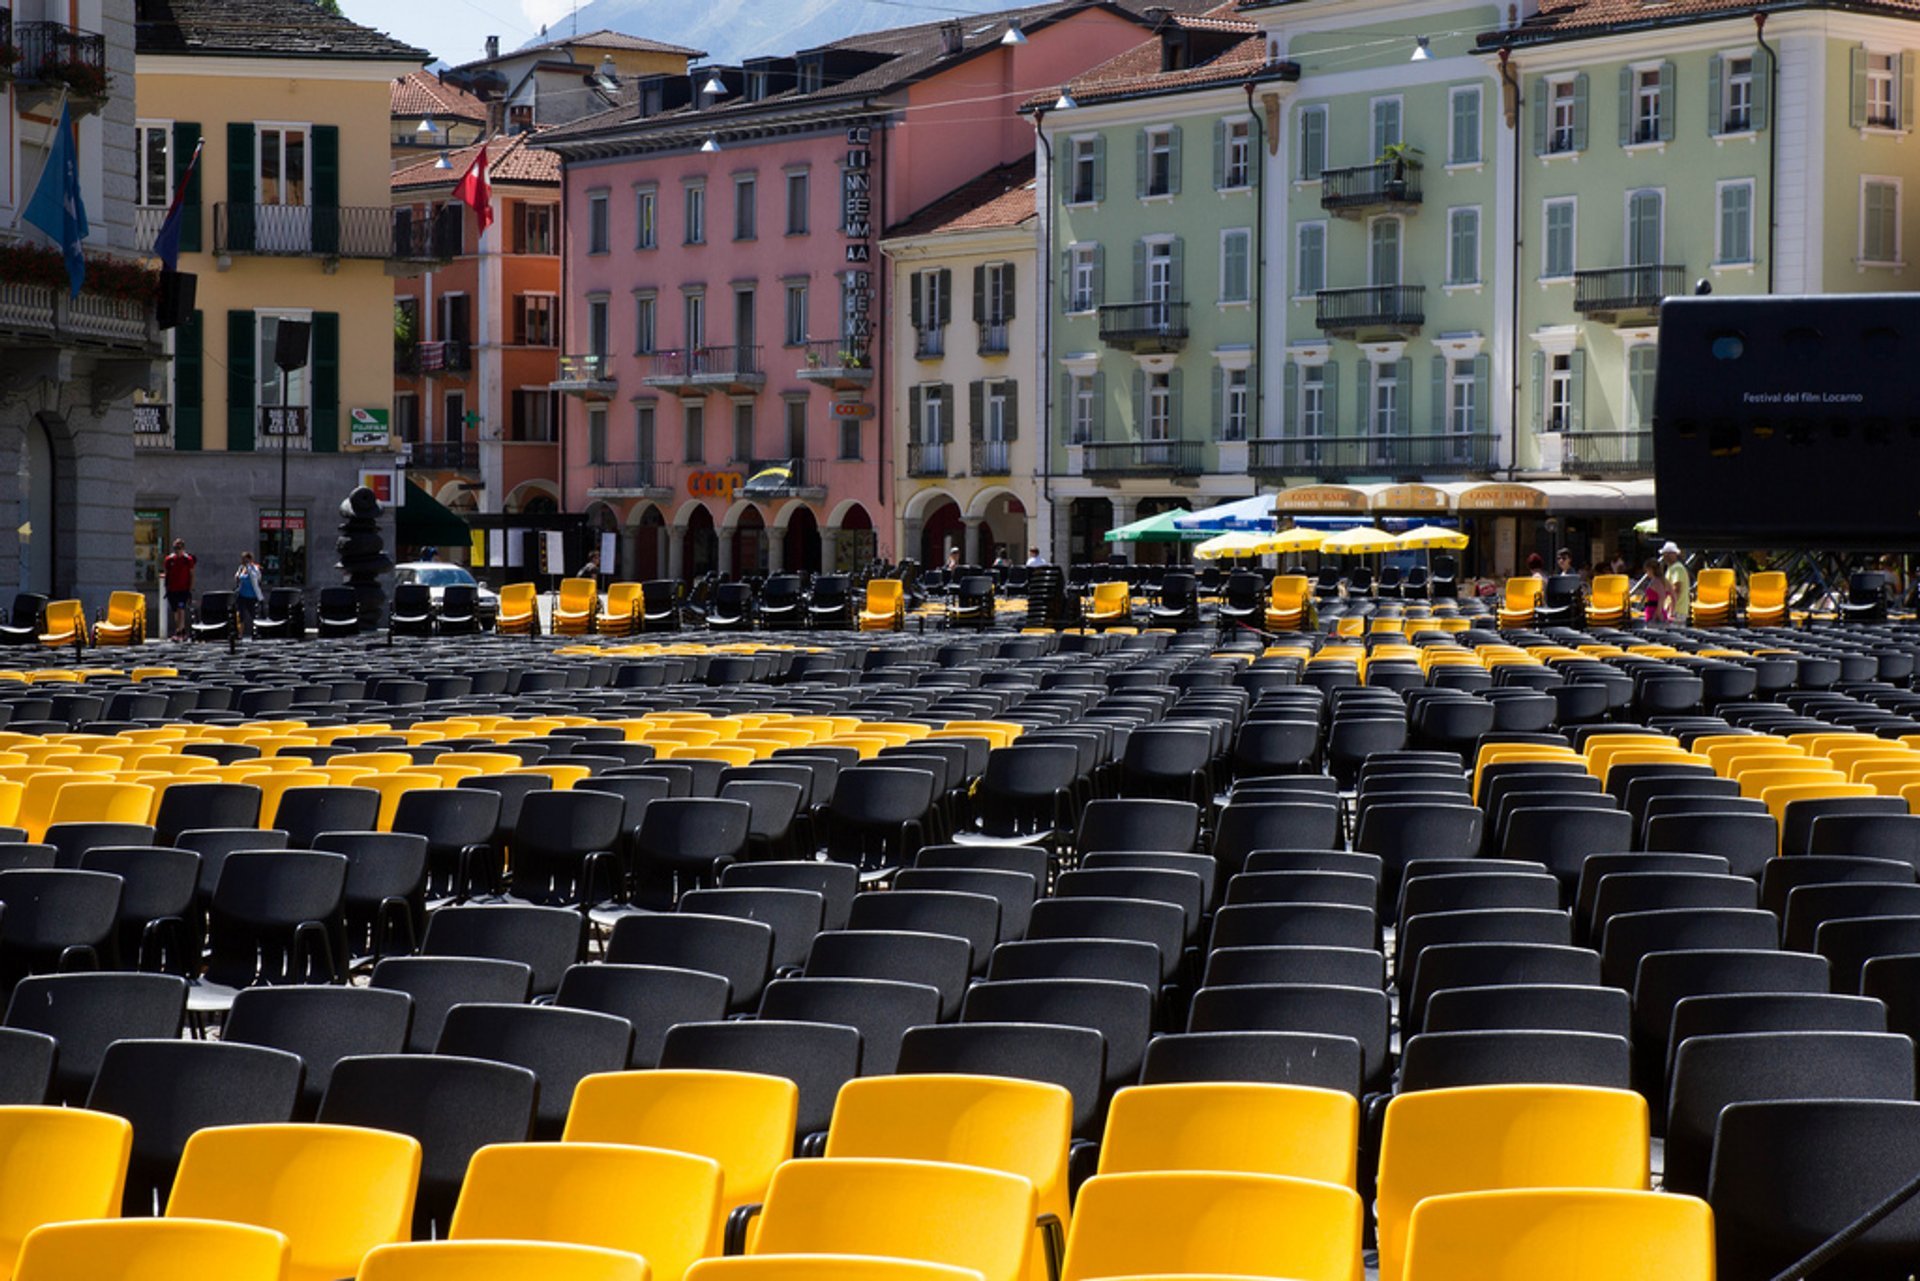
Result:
{"points": [[247, 592], [1679, 583], [177, 577], [1657, 596]]}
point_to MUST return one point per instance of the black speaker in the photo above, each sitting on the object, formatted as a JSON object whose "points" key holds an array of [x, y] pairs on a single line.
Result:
{"points": [[290, 344], [175, 305], [1789, 422]]}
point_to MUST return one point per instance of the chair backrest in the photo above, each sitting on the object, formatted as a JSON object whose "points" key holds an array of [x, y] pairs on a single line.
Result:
{"points": [[500, 1261], [58, 1164], [560, 1046], [153, 1250], [1253, 1128], [819, 1058], [1212, 1222], [1575, 1234], [742, 1121]]}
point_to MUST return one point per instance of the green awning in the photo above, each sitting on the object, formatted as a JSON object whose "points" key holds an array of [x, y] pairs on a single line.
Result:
{"points": [[1159, 529], [424, 521]]}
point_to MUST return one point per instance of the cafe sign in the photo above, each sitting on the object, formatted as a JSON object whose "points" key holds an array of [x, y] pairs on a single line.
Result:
{"points": [[1410, 498], [1503, 498], [1320, 498]]}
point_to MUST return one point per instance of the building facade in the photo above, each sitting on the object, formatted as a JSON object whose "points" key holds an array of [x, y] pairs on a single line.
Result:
{"points": [[433, 116], [288, 221], [69, 364], [962, 381], [553, 81]]}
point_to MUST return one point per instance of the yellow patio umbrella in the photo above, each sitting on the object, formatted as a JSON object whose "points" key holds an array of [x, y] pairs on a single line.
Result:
{"points": [[1427, 538], [1234, 544], [1361, 540], [1297, 539]]}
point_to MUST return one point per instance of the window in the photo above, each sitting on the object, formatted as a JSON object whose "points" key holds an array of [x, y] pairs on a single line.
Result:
{"points": [[1736, 94], [1559, 406], [1236, 398], [693, 309], [1157, 148], [532, 415], [1642, 361], [932, 306], [996, 298], [795, 408], [1159, 274], [597, 326], [693, 417], [1310, 271], [645, 445], [1083, 170], [1463, 394], [1646, 106], [406, 416], [646, 322], [1313, 143], [283, 545], [1082, 409], [1463, 128], [1463, 246], [533, 320], [1879, 220], [1159, 424], [597, 222], [1882, 72], [1645, 230], [453, 416], [455, 313], [1312, 412], [798, 186], [1083, 278], [1236, 271], [1383, 252], [536, 228], [1565, 107], [933, 417], [696, 203], [796, 315], [1734, 243], [745, 216], [282, 169], [1386, 125], [1384, 415], [646, 218], [742, 431], [153, 177], [1236, 154], [849, 440], [299, 391], [596, 434], [1556, 261]]}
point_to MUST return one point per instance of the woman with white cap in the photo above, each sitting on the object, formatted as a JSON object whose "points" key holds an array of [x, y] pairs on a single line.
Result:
{"points": [[1679, 583]]}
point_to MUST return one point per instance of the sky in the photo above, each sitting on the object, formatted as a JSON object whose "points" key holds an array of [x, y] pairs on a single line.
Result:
{"points": [[456, 30]]}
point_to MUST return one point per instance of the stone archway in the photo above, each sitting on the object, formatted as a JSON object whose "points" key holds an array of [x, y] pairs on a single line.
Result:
{"points": [[647, 540], [701, 554], [799, 531]]}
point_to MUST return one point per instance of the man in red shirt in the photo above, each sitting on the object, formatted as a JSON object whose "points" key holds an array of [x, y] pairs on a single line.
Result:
{"points": [[178, 572]]}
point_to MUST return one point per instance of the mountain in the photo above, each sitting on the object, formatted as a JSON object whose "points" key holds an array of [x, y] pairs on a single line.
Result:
{"points": [[730, 30]]}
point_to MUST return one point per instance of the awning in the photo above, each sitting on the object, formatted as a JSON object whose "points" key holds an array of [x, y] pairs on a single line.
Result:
{"points": [[1255, 513], [1594, 496], [1326, 499], [1412, 498], [1159, 528], [424, 521]]}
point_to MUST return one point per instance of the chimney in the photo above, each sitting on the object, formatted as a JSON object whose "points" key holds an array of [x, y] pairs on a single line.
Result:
{"points": [[1156, 15], [493, 47], [952, 37]]}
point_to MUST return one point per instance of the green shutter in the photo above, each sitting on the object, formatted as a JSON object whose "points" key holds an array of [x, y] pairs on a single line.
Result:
{"points": [[1290, 399], [1330, 401], [1362, 377], [189, 392], [1099, 274], [240, 188], [1627, 112], [1008, 289], [976, 411], [1540, 115], [1219, 402], [946, 298], [1099, 168], [1139, 271], [915, 283], [1139, 404], [1177, 268], [326, 189], [186, 136], [1174, 161], [1219, 154], [1539, 389], [1666, 102], [1140, 163], [1576, 390], [1580, 112], [1857, 76], [325, 428], [1482, 394], [240, 358], [1903, 67], [1762, 93], [1176, 404], [917, 415], [1099, 424], [946, 416], [1437, 388], [979, 293], [1011, 426], [1403, 401], [1716, 107]]}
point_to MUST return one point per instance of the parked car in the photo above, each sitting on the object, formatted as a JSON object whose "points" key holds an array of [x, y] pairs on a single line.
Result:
{"points": [[438, 576]]}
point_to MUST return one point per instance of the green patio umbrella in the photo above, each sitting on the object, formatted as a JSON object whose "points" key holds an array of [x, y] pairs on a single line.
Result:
{"points": [[1159, 529]]}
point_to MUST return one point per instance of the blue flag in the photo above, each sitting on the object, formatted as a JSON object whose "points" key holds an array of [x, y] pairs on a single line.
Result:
{"points": [[56, 207], [166, 242]]}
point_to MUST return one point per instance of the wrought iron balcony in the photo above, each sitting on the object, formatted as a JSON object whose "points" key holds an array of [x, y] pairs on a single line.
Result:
{"points": [[332, 231], [1153, 457], [994, 338], [445, 455], [930, 343], [843, 364], [442, 356], [992, 458], [54, 56], [1353, 191], [1336, 457], [152, 426], [639, 478], [1153, 326], [926, 459], [729, 367], [588, 376], [1607, 453], [804, 477], [1401, 308], [1611, 292]]}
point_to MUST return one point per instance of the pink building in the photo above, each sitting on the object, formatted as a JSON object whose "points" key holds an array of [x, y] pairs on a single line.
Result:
{"points": [[725, 305]]}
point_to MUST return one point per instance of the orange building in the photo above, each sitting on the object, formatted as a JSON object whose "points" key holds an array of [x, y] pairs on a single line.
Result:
{"points": [[476, 342]]}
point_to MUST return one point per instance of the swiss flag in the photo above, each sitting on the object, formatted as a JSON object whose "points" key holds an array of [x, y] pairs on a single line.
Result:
{"points": [[475, 192]]}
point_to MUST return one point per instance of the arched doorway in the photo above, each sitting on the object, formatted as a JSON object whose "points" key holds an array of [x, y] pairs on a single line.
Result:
{"points": [[857, 545], [649, 540], [1003, 527], [1088, 520], [749, 543], [802, 540], [702, 544], [942, 529]]}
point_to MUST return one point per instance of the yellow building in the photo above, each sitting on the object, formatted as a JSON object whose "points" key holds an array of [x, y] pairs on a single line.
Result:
{"points": [[288, 221], [567, 77]]}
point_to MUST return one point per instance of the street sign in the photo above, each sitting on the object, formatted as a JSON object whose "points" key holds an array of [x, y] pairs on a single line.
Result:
{"points": [[368, 428], [283, 420]]}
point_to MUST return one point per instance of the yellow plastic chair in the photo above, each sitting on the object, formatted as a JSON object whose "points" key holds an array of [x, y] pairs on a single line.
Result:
{"points": [[997, 1123], [562, 777], [57, 1164], [1756, 783], [500, 1261], [1713, 598], [37, 801], [1112, 605], [824, 1267], [1249, 1225], [1779, 799], [274, 786], [85, 801], [126, 620], [1486, 1138], [1521, 599], [391, 788], [743, 1120], [66, 625], [1607, 600], [954, 1214], [519, 611], [10, 793], [1566, 1234], [485, 762], [334, 1191], [1293, 1130], [575, 608], [1767, 599], [620, 616], [885, 610], [379, 761], [585, 1194], [152, 1250], [1287, 602]]}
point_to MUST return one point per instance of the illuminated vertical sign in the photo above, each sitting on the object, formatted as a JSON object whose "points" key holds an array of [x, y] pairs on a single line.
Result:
{"points": [[856, 223]]}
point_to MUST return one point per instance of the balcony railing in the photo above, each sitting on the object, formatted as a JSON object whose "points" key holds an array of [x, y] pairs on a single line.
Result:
{"points": [[843, 364], [631, 476], [330, 231], [1360, 187], [152, 426], [1607, 453], [443, 356], [1144, 326], [1612, 290], [993, 338], [762, 478], [587, 375], [1333, 457], [730, 367], [926, 459], [54, 55], [146, 219], [930, 344], [93, 321], [1158, 457], [439, 238], [992, 458], [284, 427], [1398, 307], [448, 455]]}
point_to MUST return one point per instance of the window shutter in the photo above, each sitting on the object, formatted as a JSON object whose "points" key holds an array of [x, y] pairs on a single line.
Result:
{"points": [[1539, 389], [946, 298], [1330, 399], [1626, 105], [1173, 159], [189, 394], [1761, 94], [1176, 404], [1099, 168], [1219, 402], [240, 186], [1857, 74], [947, 408], [976, 411], [1290, 399], [1576, 389], [1438, 392], [324, 430], [1403, 401], [1139, 404], [1580, 112], [1903, 67], [1140, 163], [1007, 290], [1011, 390], [1219, 154], [1065, 412], [979, 293], [1177, 268], [186, 136], [1539, 115], [1099, 274], [326, 189], [915, 283], [1716, 112], [1066, 280], [1666, 102], [1363, 372], [917, 414], [1139, 271], [240, 357]]}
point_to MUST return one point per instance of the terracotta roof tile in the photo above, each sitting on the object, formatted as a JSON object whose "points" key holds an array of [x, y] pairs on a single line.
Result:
{"points": [[511, 158], [998, 198], [1137, 71], [421, 93], [1570, 19], [262, 29]]}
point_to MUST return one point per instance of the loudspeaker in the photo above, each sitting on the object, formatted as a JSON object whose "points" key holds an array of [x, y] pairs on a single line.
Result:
{"points": [[290, 344], [1789, 422], [175, 305]]}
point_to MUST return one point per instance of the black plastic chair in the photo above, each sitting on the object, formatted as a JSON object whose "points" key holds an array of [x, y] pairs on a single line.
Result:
{"points": [[1116, 960], [322, 1025], [1799, 817], [819, 1058], [458, 826], [1073, 1058], [55, 920], [651, 998], [1339, 966], [1121, 1013], [215, 620], [795, 916], [385, 896], [881, 1009], [26, 1067], [1495, 925], [1530, 1007], [689, 843], [1450, 965], [188, 807], [1448, 1060], [1326, 1062], [545, 939], [339, 612], [86, 1013], [1632, 936], [276, 918], [1621, 893], [158, 887], [1293, 925], [1160, 923], [71, 841], [1665, 979], [1360, 1013], [737, 949], [1811, 906], [559, 1046], [879, 816], [1138, 825], [939, 961], [436, 984], [1748, 841], [305, 812], [1244, 827], [564, 846]]}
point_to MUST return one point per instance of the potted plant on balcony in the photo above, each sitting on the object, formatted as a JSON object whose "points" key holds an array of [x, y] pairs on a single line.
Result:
{"points": [[1401, 159]]}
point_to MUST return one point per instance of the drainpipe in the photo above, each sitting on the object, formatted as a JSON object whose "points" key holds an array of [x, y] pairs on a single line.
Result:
{"points": [[1043, 394], [1773, 140], [1514, 104], [1258, 282]]}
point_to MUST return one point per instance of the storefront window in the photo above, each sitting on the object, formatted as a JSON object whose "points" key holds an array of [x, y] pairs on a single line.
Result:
{"points": [[283, 546]]}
